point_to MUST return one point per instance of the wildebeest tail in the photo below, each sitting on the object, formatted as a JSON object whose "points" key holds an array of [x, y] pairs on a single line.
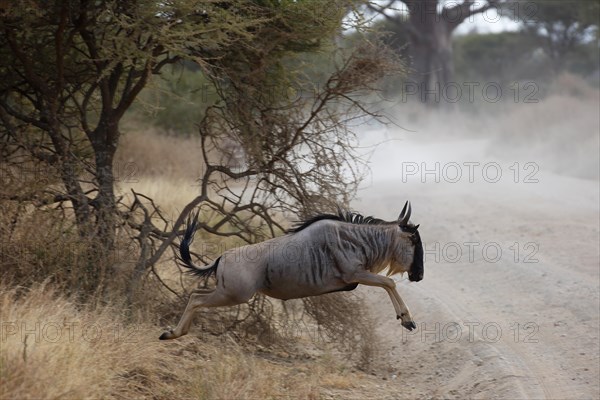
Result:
{"points": [[185, 258]]}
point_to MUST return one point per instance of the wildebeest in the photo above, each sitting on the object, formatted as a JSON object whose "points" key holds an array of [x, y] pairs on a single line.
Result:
{"points": [[324, 254]]}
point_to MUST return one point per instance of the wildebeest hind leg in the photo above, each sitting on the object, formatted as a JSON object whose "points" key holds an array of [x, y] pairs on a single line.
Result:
{"points": [[199, 298]]}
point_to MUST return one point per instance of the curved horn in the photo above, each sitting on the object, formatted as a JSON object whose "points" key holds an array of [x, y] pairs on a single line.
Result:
{"points": [[405, 214]]}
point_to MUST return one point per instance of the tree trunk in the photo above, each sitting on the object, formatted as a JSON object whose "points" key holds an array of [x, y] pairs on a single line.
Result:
{"points": [[104, 142], [444, 55], [81, 205], [431, 52], [102, 230], [95, 219]]}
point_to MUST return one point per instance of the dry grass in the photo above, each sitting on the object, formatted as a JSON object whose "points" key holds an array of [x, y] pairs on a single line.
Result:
{"points": [[155, 153], [127, 361], [41, 245], [164, 167], [71, 352], [54, 348]]}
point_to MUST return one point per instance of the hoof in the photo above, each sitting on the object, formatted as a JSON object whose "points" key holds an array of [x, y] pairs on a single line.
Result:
{"points": [[166, 335], [410, 325]]}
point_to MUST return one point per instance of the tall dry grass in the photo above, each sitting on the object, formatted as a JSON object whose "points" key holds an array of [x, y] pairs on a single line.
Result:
{"points": [[163, 167], [52, 347], [55, 345]]}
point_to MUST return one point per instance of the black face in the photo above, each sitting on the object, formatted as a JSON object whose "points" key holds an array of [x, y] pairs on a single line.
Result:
{"points": [[415, 273]]}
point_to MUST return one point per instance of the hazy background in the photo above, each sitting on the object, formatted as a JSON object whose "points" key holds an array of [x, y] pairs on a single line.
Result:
{"points": [[489, 124]]}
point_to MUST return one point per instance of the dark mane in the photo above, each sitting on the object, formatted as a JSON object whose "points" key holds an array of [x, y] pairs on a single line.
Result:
{"points": [[342, 215]]}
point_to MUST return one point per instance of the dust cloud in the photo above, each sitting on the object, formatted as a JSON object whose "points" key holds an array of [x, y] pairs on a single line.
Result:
{"points": [[507, 196]]}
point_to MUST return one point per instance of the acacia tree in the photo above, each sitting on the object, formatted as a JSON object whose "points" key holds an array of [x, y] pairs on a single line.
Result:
{"points": [[70, 70], [429, 25], [560, 26], [62, 106]]}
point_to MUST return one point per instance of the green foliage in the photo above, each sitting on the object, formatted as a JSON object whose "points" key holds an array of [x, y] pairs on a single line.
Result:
{"points": [[561, 27], [578, 14], [507, 57], [70, 71], [290, 50], [504, 57], [176, 99], [70, 45], [583, 60], [294, 27]]}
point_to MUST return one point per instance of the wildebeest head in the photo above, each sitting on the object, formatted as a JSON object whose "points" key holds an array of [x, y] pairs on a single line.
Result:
{"points": [[415, 268]]}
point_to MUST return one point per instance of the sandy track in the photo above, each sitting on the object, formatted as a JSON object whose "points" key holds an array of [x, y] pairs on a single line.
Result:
{"points": [[520, 324]]}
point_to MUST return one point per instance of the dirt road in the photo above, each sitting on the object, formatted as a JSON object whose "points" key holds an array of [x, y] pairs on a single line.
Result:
{"points": [[509, 306]]}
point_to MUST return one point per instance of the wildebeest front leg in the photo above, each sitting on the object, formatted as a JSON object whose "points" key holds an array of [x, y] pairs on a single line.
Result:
{"points": [[402, 312]]}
